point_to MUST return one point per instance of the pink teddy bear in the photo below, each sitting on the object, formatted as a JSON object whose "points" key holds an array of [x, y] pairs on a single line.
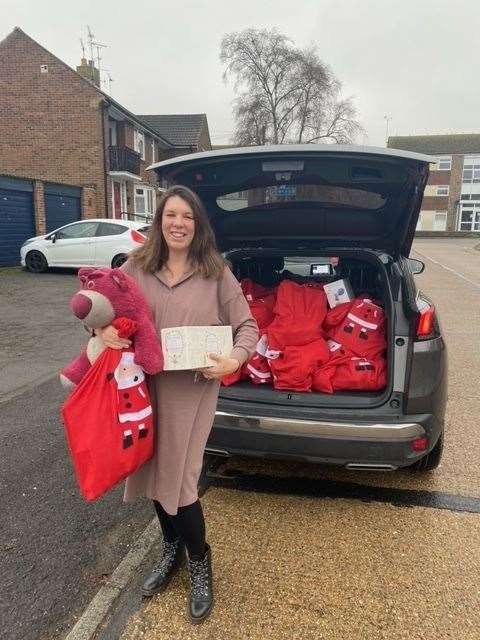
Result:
{"points": [[105, 295]]}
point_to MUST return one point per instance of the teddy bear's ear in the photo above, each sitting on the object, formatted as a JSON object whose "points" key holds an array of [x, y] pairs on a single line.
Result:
{"points": [[119, 279], [84, 273]]}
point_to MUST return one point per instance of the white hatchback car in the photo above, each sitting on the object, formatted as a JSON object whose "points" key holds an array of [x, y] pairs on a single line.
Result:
{"points": [[100, 242]]}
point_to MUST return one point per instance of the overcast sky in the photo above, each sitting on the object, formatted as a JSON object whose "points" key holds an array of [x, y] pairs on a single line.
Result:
{"points": [[415, 61]]}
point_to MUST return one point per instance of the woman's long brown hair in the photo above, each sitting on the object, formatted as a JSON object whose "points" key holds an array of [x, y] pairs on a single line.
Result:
{"points": [[203, 253]]}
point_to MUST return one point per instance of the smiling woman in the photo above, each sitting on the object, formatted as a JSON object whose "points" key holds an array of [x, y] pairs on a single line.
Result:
{"points": [[186, 283]]}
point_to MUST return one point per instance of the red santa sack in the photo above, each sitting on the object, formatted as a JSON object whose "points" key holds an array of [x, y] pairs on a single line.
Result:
{"points": [[299, 313], [252, 291], [294, 368], [108, 420], [257, 369], [360, 374], [360, 328]]}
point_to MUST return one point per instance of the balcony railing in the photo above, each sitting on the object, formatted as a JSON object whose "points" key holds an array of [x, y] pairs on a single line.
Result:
{"points": [[124, 159]]}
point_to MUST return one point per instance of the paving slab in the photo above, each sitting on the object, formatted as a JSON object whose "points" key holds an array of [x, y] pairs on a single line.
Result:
{"points": [[295, 567]]}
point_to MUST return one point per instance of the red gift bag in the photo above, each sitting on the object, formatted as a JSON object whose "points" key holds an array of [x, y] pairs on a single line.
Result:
{"points": [[108, 422]]}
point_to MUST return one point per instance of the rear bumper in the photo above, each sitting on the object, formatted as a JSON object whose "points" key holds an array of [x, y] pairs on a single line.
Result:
{"points": [[383, 444]]}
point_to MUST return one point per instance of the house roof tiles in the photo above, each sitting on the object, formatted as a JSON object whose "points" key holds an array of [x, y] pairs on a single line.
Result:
{"points": [[458, 143]]}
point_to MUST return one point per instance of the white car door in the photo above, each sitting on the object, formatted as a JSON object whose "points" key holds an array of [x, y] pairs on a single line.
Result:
{"points": [[109, 242], [72, 245]]}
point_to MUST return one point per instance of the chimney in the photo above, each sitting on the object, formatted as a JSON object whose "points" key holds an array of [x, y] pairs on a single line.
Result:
{"points": [[88, 70]]}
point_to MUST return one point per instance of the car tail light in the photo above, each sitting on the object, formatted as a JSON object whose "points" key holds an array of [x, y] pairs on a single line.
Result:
{"points": [[426, 323], [420, 444], [137, 237]]}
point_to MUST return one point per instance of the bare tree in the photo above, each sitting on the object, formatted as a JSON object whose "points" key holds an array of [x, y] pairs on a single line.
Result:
{"points": [[284, 94]]}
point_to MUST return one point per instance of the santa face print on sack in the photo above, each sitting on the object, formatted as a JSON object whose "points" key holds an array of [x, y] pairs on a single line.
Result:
{"points": [[134, 408], [363, 329]]}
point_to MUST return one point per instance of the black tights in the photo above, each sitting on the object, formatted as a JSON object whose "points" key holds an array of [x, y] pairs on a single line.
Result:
{"points": [[188, 524]]}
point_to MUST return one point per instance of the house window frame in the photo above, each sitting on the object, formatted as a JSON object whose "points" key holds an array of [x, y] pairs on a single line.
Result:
{"points": [[140, 138], [473, 207], [154, 155], [443, 214], [445, 187], [471, 164], [149, 201], [112, 127], [443, 160]]}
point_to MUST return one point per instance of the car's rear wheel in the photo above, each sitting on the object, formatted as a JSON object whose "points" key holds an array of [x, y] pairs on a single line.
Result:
{"points": [[118, 260], [210, 463], [432, 459], [36, 262]]}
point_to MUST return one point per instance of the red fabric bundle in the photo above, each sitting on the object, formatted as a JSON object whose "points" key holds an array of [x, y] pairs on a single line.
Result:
{"points": [[346, 372], [293, 370], [360, 374], [262, 311], [108, 420], [233, 378], [252, 291], [322, 379], [258, 370], [299, 313], [360, 328]]}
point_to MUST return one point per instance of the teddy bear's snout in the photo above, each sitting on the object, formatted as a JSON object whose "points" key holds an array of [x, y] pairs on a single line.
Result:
{"points": [[80, 306]]}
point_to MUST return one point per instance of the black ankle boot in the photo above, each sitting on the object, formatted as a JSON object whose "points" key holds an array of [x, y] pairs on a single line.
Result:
{"points": [[172, 557], [201, 583]]}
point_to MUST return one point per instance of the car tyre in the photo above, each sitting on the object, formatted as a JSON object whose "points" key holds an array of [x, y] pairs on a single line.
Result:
{"points": [[210, 464], [432, 459], [36, 262], [118, 260]]}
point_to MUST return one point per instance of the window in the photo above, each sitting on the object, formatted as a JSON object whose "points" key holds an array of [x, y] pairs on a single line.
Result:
{"points": [[110, 229], [79, 230], [444, 163], [471, 169], [112, 133], [331, 196], [443, 190], [145, 201], [470, 196], [440, 221], [469, 217], [140, 143], [154, 159]]}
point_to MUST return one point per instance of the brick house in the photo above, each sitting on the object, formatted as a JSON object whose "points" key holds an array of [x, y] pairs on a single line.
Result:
{"points": [[68, 151], [452, 196]]}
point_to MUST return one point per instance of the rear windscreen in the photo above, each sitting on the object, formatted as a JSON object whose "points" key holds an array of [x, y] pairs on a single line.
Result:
{"points": [[333, 196]]}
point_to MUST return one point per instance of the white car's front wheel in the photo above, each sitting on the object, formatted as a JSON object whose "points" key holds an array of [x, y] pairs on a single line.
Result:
{"points": [[36, 262]]}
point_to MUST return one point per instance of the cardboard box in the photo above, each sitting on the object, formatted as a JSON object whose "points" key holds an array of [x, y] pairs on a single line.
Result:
{"points": [[338, 292], [187, 347]]}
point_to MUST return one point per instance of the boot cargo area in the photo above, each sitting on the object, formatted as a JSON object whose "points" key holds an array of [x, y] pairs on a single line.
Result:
{"points": [[368, 275]]}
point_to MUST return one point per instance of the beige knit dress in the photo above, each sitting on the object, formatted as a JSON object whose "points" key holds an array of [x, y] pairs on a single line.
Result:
{"points": [[184, 409]]}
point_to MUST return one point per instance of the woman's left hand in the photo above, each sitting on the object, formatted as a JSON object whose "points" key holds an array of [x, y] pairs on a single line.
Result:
{"points": [[223, 367]]}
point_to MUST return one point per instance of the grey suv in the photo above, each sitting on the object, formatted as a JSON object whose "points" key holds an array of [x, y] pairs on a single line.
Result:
{"points": [[286, 211]]}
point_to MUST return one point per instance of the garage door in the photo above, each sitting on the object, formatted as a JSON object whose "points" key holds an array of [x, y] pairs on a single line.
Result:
{"points": [[17, 220], [62, 205]]}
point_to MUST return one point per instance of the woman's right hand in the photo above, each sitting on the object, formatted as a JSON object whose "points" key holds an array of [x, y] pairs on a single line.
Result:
{"points": [[109, 336]]}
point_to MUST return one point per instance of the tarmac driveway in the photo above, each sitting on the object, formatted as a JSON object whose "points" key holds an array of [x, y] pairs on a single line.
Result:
{"points": [[39, 333]]}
